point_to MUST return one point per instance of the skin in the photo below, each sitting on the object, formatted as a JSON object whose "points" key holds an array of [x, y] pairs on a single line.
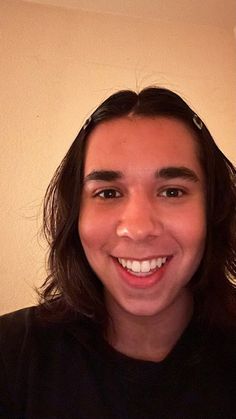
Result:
{"points": [[135, 206]]}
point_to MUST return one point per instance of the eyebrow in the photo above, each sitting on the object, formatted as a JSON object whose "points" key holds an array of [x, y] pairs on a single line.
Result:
{"points": [[177, 172], [103, 175], [164, 173]]}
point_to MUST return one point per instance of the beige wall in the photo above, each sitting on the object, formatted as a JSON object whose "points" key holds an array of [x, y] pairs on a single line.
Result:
{"points": [[56, 66]]}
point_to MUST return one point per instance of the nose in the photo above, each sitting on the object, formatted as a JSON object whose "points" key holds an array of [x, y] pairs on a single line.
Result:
{"points": [[139, 220]]}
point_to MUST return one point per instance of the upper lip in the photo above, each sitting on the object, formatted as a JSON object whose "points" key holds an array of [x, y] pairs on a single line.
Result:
{"points": [[143, 258]]}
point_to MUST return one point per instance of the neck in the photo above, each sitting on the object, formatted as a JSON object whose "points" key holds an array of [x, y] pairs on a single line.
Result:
{"points": [[152, 337]]}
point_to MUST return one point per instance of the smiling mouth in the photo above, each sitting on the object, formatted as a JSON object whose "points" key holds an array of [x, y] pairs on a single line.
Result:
{"points": [[144, 267]]}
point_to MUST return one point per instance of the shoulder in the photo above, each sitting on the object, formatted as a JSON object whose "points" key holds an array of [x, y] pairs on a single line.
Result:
{"points": [[14, 331], [15, 326], [25, 328], [18, 318], [41, 357], [26, 335], [220, 348], [20, 327], [33, 349], [18, 333]]}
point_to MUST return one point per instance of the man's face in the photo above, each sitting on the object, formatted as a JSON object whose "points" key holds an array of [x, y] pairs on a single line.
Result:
{"points": [[142, 221]]}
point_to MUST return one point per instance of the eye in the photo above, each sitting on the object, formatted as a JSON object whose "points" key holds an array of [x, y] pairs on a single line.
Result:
{"points": [[172, 193], [108, 194]]}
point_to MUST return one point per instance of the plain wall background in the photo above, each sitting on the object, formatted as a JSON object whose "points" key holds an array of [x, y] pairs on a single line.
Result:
{"points": [[56, 65]]}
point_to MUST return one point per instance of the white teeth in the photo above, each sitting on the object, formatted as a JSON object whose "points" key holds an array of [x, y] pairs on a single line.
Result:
{"points": [[144, 266], [159, 262], [136, 266], [153, 264], [129, 264], [123, 263]]}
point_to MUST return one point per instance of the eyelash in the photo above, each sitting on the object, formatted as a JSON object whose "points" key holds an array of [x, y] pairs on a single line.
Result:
{"points": [[107, 191], [107, 194], [178, 192]]}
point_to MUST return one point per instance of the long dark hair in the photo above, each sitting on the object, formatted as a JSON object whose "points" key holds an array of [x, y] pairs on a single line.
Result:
{"points": [[71, 287]]}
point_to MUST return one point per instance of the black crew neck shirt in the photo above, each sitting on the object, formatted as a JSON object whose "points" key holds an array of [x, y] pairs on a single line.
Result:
{"points": [[68, 371]]}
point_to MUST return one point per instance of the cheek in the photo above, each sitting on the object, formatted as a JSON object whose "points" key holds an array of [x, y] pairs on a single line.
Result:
{"points": [[196, 243], [190, 230], [94, 230], [196, 238]]}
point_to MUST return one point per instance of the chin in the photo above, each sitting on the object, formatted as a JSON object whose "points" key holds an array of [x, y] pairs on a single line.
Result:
{"points": [[142, 310]]}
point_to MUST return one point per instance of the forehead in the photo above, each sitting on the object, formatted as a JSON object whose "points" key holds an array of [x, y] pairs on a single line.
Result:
{"points": [[141, 142]]}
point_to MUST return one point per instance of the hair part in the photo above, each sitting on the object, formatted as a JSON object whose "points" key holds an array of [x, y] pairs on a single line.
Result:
{"points": [[71, 288]]}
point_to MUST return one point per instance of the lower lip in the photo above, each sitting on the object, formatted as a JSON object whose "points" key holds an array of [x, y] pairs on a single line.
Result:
{"points": [[141, 282]]}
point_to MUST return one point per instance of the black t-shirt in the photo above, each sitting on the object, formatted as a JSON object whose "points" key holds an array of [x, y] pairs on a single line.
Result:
{"points": [[68, 371]]}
